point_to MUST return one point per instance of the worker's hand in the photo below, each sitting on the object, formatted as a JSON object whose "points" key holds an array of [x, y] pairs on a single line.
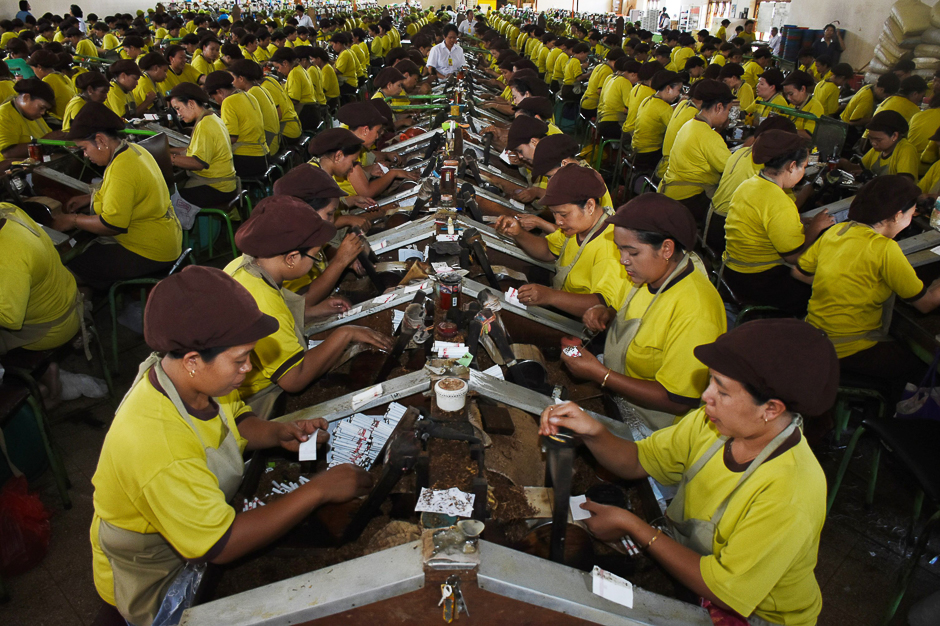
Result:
{"points": [[371, 337], [357, 267], [585, 366], [349, 249], [361, 202], [491, 129], [334, 305], [149, 98], [538, 295], [62, 222], [406, 175], [76, 204], [342, 483], [569, 415], [361, 222], [607, 523], [376, 169], [292, 434], [507, 225], [528, 194], [820, 222], [530, 222], [598, 317]]}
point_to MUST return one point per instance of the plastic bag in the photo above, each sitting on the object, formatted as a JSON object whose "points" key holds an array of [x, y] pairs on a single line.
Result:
{"points": [[913, 16], [24, 528], [922, 401], [935, 15]]}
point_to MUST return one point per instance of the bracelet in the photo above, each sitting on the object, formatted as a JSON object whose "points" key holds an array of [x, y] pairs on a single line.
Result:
{"points": [[606, 376], [655, 537]]}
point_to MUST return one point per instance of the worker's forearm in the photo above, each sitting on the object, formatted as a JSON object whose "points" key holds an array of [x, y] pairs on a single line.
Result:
{"points": [[316, 362], [646, 393], [259, 433], [575, 303], [616, 454], [323, 284], [93, 224], [188, 163], [535, 246]]}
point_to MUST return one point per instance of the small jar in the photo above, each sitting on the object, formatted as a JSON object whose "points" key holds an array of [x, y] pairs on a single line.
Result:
{"points": [[448, 291], [451, 394], [447, 330]]}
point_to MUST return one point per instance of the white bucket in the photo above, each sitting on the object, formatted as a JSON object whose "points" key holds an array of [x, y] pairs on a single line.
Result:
{"points": [[451, 399]]}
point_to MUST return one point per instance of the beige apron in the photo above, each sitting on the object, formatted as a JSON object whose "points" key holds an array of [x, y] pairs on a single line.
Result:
{"points": [[144, 565], [262, 402], [698, 534], [561, 272], [623, 331], [31, 333]]}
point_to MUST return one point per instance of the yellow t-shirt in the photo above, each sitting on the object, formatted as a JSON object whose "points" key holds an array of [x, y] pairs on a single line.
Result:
{"points": [[379, 47], [930, 180], [86, 48], [36, 287], [861, 106], [347, 67], [682, 113], [572, 71], [268, 117], [652, 120], [290, 123], [188, 75], [688, 314], [211, 144], [766, 544], [558, 69], [827, 94], [241, 115], [330, 82], [316, 79], [752, 72], [721, 33], [762, 226], [299, 87], [361, 52], [745, 96], [900, 104], [134, 200], [681, 56], [120, 101], [550, 59], [16, 129], [904, 159], [764, 111], [202, 65], [144, 86], [598, 269], [855, 270], [63, 90], [591, 95], [638, 94], [161, 483], [542, 61], [71, 110], [276, 354], [614, 100], [718, 59], [739, 168], [923, 125], [811, 107], [7, 90], [698, 156]]}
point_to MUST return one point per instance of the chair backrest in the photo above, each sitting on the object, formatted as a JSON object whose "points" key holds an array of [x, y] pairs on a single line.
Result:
{"points": [[159, 148]]}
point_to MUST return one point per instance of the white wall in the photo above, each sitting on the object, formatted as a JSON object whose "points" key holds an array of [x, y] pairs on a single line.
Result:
{"points": [[9, 8]]}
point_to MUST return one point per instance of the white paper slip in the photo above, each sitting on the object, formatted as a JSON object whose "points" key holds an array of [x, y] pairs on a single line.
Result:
{"points": [[505, 157], [611, 587], [496, 372], [448, 237], [365, 396], [397, 317], [577, 513], [313, 343], [448, 502], [308, 448], [383, 168], [350, 312], [516, 205], [382, 244], [442, 268], [936, 250], [453, 353], [385, 298], [414, 288], [409, 253], [441, 345], [490, 219], [512, 297]]}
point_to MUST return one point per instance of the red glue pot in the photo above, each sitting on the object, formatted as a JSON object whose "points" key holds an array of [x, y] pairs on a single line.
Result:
{"points": [[448, 330]]}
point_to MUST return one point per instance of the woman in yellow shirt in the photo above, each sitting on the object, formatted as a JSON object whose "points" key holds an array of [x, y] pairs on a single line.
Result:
{"points": [[640, 92], [891, 152], [91, 87], [131, 208], [161, 502], [241, 114], [346, 65], [247, 76], [827, 91], [652, 119], [21, 118], [615, 97], [798, 89], [366, 123], [856, 270], [44, 63], [746, 541], [299, 88], [587, 268], [769, 90], [908, 98], [763, 230], [125, 74], [208, 158], [731, 75]]}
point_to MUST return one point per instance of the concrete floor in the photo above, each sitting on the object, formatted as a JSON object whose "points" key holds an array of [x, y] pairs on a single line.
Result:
{"points": [[859, 554]]}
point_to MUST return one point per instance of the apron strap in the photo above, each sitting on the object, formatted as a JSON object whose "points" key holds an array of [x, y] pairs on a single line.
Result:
{"points": [[562, 272]]}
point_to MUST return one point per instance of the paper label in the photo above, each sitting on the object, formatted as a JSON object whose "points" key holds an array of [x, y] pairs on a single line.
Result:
{"points": [[448, 237], [577, 513], [496, 372], [512, 297], [571, 351], [382, 244], [505, 157], [350, 312], [308, 448], [466, 360], [313, 343], [442, 268], [447, 502], [612, 587], [397, 317], [365, 396], [384, 298]]}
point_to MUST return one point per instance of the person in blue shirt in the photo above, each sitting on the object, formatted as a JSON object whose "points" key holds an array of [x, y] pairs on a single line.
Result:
{"points": [[24, 11]]}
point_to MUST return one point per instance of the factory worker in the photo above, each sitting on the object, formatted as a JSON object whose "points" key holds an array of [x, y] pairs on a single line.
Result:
{"points": [[172, 458], [743, 530], [770, 90], [763, 230], [798, 89], [891, 152], [131, 208], [366, 122], [21, 118], [587, 268], [280, 243], [668, 307], [653, 118], [856, 270]]}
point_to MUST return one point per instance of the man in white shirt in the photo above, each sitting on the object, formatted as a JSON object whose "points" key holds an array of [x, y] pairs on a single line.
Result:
{"points": [[302, 18], [466, 24], [446, 57], [776, 41]]}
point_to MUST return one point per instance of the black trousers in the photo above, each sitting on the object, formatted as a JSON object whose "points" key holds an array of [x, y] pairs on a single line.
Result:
{"points": [[309, 116], [250, 165], [206, 196], [347, 93], [646, 161], [698, 206], [101, 265], [889, 363], [774, 287], [715, 237], [609, 130]]}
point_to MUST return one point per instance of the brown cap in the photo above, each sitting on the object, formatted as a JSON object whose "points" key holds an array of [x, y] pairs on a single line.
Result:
{"points": [[775, 122], [649, 70], [308, 182], [543, 107], [43, 58], [537, 86], [551, 151], [708, 90], [774, 77], [124, 66], [384, 110], [658, 213], [771, 144], [35, 88], [888, 122], [523, 129], [882, 197], [281, 224], [386, 76], [93, 118], [664, 78], [332, 140], [356, 114], [218, 80], [786, 359], [407, 66], [90, 79], [573, 184], [200, 308]]}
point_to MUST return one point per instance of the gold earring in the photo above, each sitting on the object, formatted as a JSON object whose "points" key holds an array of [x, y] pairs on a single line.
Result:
{"points": [[192, 373]]}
